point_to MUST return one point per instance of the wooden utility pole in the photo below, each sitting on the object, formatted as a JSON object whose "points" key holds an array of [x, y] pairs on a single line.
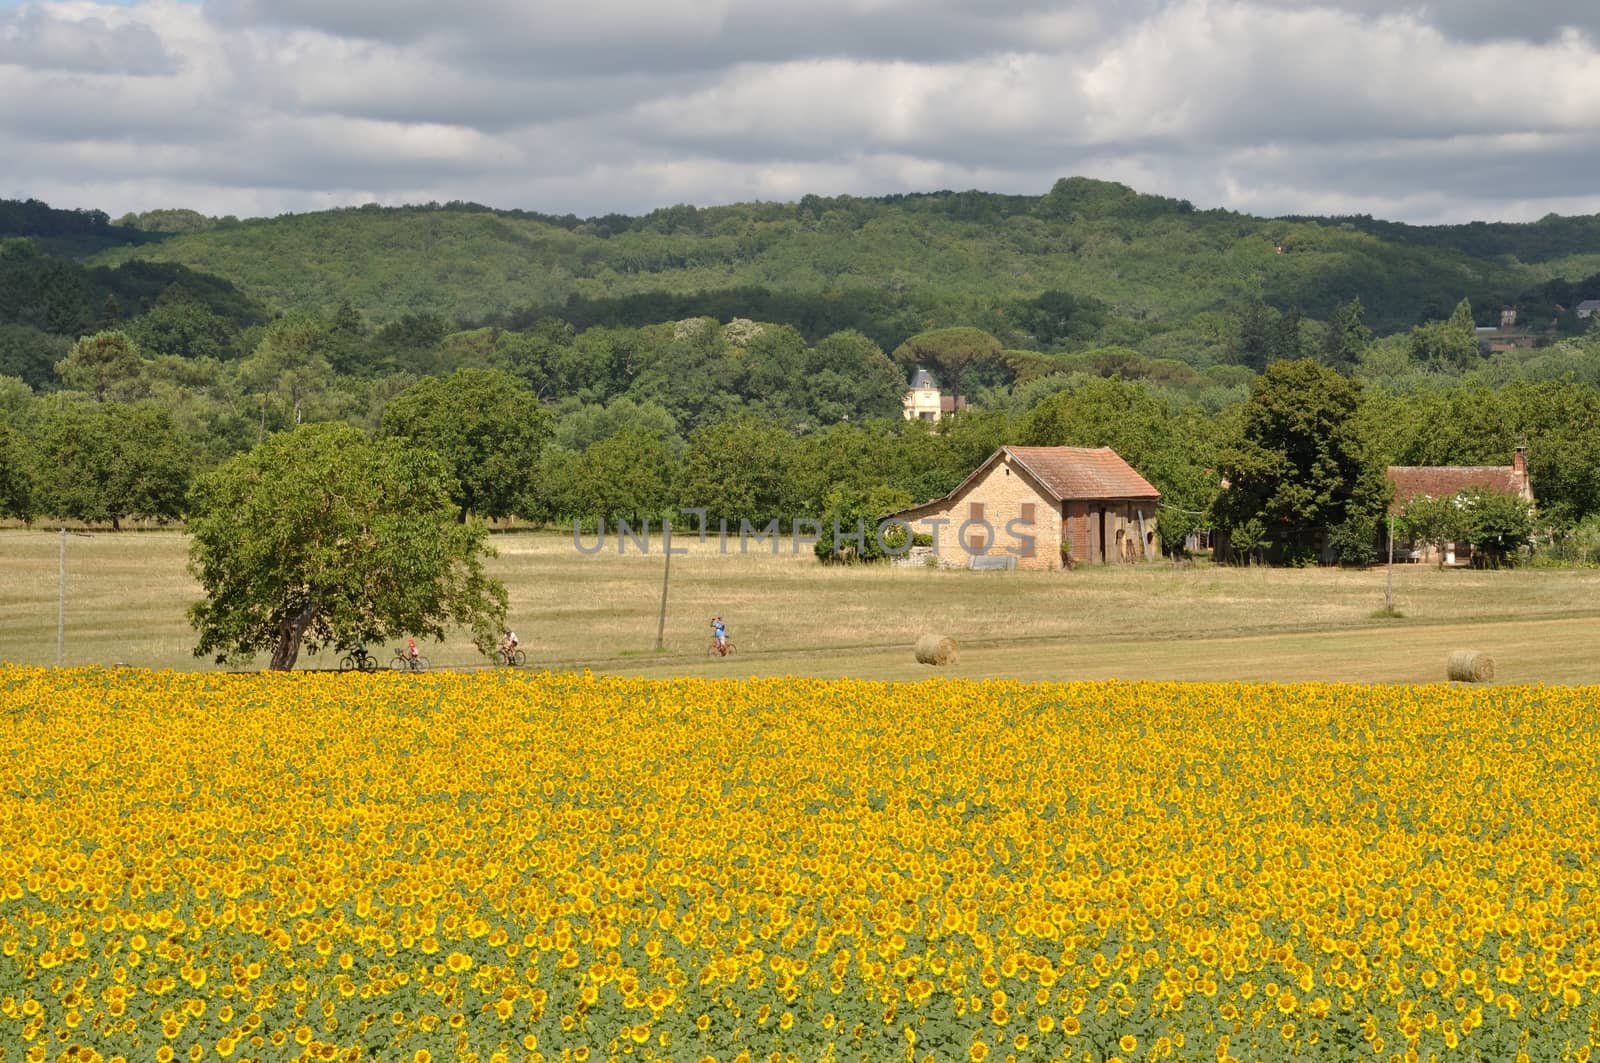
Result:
{"points": [[1388, 583], [61, 601], [666, 575]]}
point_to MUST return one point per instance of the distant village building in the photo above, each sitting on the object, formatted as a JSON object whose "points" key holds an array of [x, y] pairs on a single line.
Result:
{"points": [[1587, 308], [1446, 481], [925, 402], [1025, 502], [1506, 336]]}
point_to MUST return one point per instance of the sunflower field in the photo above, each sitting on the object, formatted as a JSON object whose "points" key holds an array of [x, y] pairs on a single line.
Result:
{"points": [[555, 867]]}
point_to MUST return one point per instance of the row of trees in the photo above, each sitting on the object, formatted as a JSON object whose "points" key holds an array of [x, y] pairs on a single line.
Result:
{"points": [[552, 424], [1304, 454]]}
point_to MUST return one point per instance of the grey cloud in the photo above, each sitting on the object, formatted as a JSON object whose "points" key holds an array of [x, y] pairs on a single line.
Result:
{"points": [[1478, 20], [473, 99], [669, 36], [1283, 106], [38, 39], [64, 109], [1505, 170]]}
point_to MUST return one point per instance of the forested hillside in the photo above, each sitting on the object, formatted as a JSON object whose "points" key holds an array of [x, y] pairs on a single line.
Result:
{"points": [[935, 259]]}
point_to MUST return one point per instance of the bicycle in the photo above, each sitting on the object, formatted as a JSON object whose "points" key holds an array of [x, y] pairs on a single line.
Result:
{"points": [[404, 662], [724, 650], [511, 659], [358, 660]]}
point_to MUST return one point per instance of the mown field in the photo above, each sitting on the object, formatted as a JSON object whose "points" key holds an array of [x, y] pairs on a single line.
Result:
{"points": [[126, 596], [499, 866]]}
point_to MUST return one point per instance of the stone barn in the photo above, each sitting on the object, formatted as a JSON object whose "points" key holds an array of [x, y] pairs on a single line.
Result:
{"points": [[1024, 502]]}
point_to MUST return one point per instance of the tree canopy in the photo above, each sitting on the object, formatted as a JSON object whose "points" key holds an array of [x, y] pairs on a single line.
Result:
{"points": [[487, 427], [1495, 524], [1297, 466], [323, 537], [108, 461], [16, 481]]}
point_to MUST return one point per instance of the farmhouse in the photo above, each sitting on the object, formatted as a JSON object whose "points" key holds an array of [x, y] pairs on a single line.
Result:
{"points": [[1446, 481], [1025, 502]]}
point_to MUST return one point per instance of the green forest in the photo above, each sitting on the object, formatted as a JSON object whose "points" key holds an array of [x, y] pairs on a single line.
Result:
{"points": [[751, 358]]}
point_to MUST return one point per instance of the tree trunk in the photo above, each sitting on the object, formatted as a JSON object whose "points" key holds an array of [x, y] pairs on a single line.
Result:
{"points": [[289, 635]]}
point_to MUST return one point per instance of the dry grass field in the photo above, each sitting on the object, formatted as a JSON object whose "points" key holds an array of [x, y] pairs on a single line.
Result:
{"points": [[126, 596]]}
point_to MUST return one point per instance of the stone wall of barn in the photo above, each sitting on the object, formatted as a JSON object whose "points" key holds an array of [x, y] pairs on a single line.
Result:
{"points": [[1004, 495]]}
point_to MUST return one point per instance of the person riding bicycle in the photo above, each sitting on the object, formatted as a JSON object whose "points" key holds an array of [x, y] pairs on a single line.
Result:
{"points": [[411, 648], [719, 632], [508, 642]]}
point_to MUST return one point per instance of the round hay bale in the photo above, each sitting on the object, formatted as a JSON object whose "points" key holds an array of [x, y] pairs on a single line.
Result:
{"points": [[1469, 666], [936, 650]]}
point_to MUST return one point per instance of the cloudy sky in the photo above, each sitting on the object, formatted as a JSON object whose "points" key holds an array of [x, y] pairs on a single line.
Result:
{"points": [[1445, 111]]}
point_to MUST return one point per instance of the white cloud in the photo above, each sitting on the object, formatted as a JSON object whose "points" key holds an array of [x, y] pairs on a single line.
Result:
{"points": [[1478, 108]]}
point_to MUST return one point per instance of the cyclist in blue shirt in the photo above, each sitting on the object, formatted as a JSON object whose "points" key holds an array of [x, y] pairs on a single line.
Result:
{"points": [[719, 631]]}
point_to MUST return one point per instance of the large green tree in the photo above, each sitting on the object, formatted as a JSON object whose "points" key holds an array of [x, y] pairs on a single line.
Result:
{"points": [[738, 470], [626, 476], [486, 425], [288, 371], [961, 358], [1446, 345], [183, 325], [16, 478], [104, 462], [1297, 466], [323, 537], [848, 377], [31, 355], [1347, 336], [106, 365]]}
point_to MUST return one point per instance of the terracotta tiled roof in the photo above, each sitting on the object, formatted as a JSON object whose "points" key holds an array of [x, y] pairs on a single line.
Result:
{"points": [[1446, 481], [1070, 474], [1076, 474]]}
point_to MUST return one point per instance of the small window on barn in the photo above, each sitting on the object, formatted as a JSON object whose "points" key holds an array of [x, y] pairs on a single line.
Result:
{"points": [[1026, 513], [974, 511]]}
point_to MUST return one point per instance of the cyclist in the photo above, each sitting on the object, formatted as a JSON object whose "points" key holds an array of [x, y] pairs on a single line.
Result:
{"points": [[411, 649], [508, 643], [719, 632]]}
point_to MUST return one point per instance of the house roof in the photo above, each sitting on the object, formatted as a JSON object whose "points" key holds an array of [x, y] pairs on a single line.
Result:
{"points": [[1067, 474], [1589, 304], [1074, 474], [1446, 481], [923, 381]]}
